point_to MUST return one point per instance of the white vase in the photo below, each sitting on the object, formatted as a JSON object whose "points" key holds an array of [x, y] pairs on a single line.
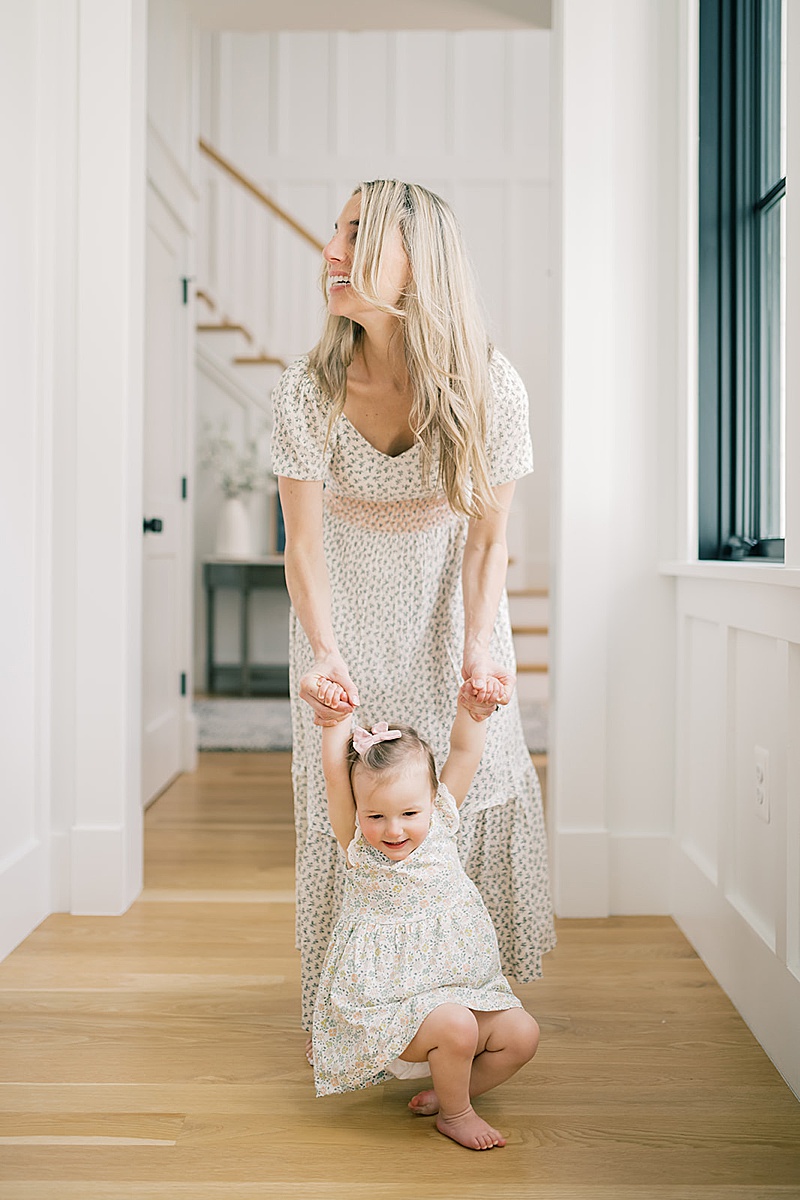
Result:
{"points": [[233, 530]]}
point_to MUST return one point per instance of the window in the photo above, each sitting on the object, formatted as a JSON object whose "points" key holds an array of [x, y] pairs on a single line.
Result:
{"points": [[741, 303]]}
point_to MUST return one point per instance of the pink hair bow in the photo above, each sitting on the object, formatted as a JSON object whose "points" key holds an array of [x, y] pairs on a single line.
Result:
{"points": [[363, 738]]}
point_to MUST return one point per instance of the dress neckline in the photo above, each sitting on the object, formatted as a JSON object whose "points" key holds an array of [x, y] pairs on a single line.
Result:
{"points": [[382, 453]]}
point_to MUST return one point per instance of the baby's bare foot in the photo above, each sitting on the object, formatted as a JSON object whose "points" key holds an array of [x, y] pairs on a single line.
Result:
{"points": [[310, 1051], [424, 1104], [470, 1130]]}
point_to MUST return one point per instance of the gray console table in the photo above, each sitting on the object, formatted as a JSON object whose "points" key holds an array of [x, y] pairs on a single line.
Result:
{"points": [[243, 678]]}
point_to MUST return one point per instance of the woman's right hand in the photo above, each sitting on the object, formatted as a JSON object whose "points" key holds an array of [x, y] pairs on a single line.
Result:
{"points": [[329, 690]]}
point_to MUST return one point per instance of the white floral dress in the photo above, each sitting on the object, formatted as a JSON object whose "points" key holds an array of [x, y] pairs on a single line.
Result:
{"points": [[394, 548], [412, 935]]}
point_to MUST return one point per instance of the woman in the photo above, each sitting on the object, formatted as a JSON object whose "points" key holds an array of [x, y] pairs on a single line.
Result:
{"points": [[397, 443]]}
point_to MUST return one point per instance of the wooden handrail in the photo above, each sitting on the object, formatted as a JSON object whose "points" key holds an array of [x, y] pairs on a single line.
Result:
{"points": [[256, 191]]}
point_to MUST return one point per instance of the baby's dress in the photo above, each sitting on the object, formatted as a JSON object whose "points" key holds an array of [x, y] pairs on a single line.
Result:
{"points": [[412, 935]]}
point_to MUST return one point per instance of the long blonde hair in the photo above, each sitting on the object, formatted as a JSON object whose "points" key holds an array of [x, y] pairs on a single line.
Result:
{"points": [[446, 346]]}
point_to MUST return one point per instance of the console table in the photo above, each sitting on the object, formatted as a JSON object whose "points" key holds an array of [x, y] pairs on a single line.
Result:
{"points": [[243, 678]]}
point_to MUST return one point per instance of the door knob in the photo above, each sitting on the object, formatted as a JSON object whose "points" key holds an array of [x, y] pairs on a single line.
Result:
{"points": [[153, 525]]}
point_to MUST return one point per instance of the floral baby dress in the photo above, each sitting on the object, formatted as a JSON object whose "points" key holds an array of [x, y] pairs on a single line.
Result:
{"points": [[412, 935]]}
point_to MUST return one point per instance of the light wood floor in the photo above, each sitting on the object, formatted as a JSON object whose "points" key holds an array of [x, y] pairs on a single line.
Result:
{"points": [[158, 1054]]}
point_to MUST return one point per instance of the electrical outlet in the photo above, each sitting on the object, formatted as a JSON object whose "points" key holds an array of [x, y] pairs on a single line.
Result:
{"points": [[762, 783]]}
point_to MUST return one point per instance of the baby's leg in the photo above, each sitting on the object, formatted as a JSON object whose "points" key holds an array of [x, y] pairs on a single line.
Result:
{"points": [[506, 1041], [448, 1039]]}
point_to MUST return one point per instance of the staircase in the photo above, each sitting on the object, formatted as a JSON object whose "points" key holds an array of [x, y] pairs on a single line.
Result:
{"points": [[243, 228], [529, 625]]}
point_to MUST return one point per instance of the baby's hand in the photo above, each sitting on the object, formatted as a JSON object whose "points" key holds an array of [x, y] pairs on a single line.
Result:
{"points": [[480, 703], [330, 693]]}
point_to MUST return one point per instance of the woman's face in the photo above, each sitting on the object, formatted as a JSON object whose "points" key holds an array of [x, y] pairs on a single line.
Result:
{"points": [[395, 272]]}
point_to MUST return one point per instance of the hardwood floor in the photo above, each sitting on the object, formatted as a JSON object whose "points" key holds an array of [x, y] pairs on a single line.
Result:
{"points": [[158, 1054]]}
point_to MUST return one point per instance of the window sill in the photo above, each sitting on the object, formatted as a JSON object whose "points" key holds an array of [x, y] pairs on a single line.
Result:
{"points": [[739, 572]]}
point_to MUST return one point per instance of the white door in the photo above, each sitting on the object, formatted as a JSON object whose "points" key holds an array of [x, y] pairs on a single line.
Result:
{"points": [[166, 611]]}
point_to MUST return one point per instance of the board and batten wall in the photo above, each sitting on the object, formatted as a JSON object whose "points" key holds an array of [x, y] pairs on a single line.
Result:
{"points": [[308, 115], [667, 672]]}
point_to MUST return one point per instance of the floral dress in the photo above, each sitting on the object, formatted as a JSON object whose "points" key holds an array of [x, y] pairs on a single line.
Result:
{"points": [[393, 549], [412, 935]]}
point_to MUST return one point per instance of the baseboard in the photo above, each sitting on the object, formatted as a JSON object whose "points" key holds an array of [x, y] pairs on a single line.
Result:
{"points": [[580, 875], [762, 988], [103, 880], [24, 896], [599, 874], [640, 874]]}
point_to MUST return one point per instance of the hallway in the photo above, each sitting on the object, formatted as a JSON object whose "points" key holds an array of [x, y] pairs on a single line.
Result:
{"points": [[158, 1054]]}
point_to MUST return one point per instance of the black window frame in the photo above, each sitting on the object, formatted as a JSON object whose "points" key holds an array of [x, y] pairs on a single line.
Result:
{"points": [[739, 128]]}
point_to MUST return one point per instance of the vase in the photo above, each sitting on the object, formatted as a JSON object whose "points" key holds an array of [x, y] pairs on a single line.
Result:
{"points": [[233, 530]]}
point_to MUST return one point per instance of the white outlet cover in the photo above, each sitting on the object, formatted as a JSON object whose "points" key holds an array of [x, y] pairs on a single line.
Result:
{"points": [[761, 780]]}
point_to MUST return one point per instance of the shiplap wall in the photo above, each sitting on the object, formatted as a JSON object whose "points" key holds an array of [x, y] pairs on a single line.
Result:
{"points": [[308, 115]]}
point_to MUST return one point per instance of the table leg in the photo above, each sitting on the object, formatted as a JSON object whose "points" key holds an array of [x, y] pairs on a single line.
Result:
{"points": [[210, 667], [244, 641]]}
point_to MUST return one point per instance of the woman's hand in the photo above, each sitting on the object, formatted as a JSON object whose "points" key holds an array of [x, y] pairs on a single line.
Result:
{"points": [[329, 690], [486, 683]]}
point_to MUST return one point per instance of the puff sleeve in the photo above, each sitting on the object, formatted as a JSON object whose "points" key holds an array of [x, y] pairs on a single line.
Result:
{"points": [[300, 425], [509, 448]]}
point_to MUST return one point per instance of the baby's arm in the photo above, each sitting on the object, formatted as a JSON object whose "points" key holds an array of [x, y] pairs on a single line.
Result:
{"points": [[341, 804], [467, 739]]}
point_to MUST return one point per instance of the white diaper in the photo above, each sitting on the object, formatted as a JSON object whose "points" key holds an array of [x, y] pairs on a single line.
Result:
{"points": [[408, 1070]]}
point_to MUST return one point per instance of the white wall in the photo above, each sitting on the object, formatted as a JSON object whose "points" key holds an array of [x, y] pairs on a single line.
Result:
{"points": [[71, 830], [612, 665], [666, 673], [307, 115], [24, 480], [736, 890]]}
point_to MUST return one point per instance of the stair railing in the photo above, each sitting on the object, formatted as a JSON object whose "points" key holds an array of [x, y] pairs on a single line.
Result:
{"points": [[257, 263]]}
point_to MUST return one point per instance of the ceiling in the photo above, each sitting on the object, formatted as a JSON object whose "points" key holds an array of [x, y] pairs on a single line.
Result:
{"points": [[352, 15]]}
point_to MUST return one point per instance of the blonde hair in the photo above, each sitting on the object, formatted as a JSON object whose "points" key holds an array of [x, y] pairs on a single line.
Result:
{"points": [[445, 342]]}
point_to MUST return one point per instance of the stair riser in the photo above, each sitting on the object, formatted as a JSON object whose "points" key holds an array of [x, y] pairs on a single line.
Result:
{"points": [[530, 649], [528, 610]]}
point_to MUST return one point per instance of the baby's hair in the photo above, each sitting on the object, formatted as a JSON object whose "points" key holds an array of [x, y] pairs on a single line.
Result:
{"points": [[392, 755]]}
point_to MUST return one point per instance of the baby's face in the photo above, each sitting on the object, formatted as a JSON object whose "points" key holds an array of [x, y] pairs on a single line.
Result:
{"points": [[394, 808]]}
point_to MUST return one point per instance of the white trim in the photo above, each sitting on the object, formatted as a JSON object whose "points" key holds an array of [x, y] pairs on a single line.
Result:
{"points": [[640, 873], [582, 858], [792, 349], [765, 993], [99, 887], [24, 895], [603, 873], [687, 461], [734, 572]]}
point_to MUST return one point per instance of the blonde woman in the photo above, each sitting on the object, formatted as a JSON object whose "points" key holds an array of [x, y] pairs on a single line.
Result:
{"points": [[397, 442]]}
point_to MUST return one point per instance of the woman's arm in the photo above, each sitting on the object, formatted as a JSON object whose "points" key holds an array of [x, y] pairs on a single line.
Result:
{"points": [[483, 576], [467, 738], [309, 589], [341, 804]]}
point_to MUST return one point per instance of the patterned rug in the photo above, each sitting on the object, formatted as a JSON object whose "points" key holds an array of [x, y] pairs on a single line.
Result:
{"points": [[233, 723]]}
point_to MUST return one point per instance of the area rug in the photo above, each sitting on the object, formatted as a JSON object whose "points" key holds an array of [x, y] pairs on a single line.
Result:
{"points": [[233, 723]]}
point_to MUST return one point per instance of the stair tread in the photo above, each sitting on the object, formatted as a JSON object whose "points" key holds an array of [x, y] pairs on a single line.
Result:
{"points": [[520, 592], [246, 360], [532, 668], [530, 630], [224, 327]]}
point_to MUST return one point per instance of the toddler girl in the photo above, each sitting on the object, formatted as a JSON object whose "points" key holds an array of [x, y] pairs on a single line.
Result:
{"points": [[411, 984]]}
